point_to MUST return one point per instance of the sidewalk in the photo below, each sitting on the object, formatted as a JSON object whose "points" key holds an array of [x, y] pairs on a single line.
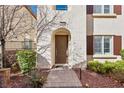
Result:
{"points": [[62, 78]]}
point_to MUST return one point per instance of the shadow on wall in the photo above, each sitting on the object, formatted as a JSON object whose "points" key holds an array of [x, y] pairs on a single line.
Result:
{"points": [[42, 62], [81, 65]]}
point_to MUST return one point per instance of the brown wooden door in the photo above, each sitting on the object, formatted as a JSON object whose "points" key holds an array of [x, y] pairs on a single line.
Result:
{"points": [[61, 44]]}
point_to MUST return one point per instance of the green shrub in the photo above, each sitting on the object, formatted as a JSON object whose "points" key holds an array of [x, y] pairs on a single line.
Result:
{"points": [[94, 66], [122, 54], [103, 68], [119, 65], [118, 71], [26, 60], [107, 67], [115, 69]]}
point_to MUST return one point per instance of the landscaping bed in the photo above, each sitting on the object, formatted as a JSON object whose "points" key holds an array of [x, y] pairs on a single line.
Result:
{"points": [[24, 73], [94, 80], [19, 80], [89, 79], [104, 74]]}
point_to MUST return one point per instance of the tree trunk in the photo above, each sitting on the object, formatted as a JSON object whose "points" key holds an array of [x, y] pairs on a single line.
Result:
{"points": [[3, 52]]}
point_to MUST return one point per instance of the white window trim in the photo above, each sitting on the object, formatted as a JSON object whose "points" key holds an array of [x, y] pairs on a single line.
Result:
{"points": [[106, 56], [112, 46], [103, 54], [111, 9]]}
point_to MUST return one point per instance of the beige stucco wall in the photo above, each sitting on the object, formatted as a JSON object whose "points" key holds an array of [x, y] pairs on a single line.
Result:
{"points": [[75, 19], [107, 26]]}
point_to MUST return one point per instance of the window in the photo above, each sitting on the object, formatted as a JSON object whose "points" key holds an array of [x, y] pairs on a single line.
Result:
{"points": [[104, 9], [103, 44], [107, 41], [97, 8], [98, 45], [61, 7], [27, 44]]}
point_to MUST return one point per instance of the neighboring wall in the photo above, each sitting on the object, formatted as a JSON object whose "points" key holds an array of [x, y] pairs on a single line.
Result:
{"points": [[106, 26]]}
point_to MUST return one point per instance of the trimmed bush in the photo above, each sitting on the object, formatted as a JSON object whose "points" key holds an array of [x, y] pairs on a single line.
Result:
{"points": [[122, 54], [108, 67], [26, 60], [119, 65], [94, 66], [118, 71], [103, 68]]}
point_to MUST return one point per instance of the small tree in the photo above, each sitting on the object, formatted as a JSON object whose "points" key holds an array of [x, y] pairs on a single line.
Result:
{"points": [[12, 24]]}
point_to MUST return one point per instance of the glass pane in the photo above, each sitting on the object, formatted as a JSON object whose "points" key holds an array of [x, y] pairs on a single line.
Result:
{"points": [[106, 9], [97, 9], [61, 7], [27, 44], [107, 44], [97, 45]]}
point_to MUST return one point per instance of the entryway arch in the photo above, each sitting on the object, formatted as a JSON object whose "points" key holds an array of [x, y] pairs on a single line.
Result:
{"points": [[60, 46]]}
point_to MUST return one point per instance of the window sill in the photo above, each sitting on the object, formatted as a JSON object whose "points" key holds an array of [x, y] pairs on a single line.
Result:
{"points": [[104, 15], [104, 57]]}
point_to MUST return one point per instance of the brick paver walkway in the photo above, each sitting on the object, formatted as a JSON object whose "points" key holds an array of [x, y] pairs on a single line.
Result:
{"points": [[62, 78]]}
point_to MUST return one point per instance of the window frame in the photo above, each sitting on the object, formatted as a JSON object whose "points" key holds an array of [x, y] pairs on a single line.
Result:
{"points": [[99, 39], [111, 7], [102, 45], [107, 7], [27, 43]]}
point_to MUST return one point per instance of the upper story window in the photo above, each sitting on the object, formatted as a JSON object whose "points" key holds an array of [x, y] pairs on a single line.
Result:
{"points": [[61, 7], [103, 9], [106, 8]]}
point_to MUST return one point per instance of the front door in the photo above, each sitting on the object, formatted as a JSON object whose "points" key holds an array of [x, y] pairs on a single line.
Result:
{"points": [[61, 44]]}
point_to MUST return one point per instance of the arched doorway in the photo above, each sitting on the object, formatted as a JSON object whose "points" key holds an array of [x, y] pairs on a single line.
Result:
{"points": [[60, 39]]}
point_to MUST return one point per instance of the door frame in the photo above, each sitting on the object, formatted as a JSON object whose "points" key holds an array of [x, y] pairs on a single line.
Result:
{"points": [[59, 31]]}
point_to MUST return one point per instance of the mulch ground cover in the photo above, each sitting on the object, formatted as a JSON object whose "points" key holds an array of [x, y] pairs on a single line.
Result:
{"points": [[88, 79], [18, 80], [93, 80]]}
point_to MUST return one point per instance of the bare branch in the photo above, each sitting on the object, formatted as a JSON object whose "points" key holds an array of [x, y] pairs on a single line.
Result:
{"points": [[47, 20], [11, 20]]}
